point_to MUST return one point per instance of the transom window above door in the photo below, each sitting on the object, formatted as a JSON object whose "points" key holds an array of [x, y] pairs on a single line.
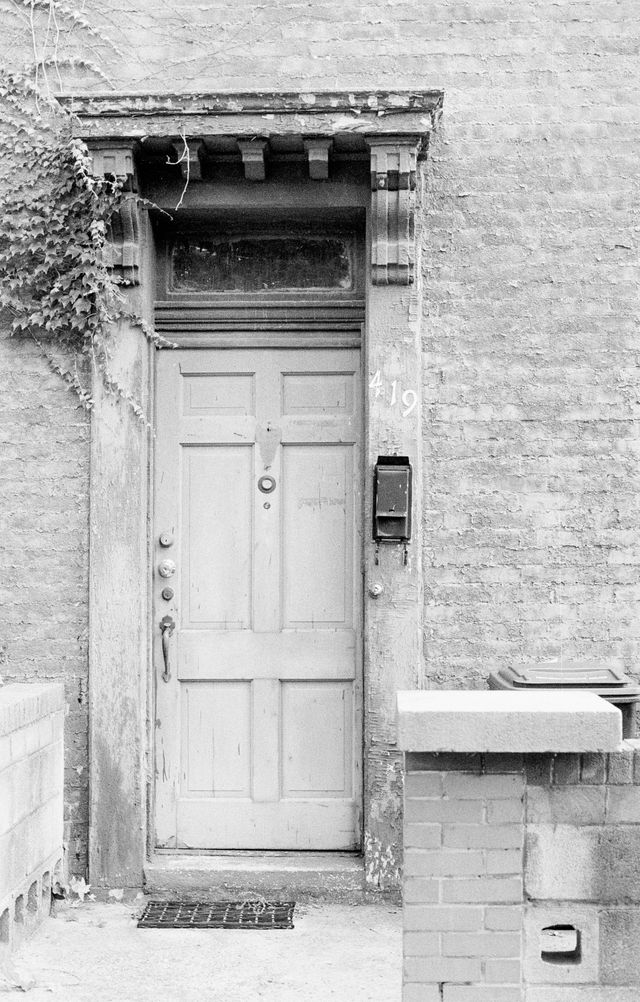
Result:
{"points": [[261, 263]]}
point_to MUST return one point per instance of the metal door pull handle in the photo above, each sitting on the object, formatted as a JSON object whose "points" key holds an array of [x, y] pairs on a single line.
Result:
{"points": [[167, 626]]}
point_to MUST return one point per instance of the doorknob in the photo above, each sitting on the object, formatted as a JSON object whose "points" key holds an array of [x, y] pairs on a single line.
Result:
{"points": [[167, 626]]}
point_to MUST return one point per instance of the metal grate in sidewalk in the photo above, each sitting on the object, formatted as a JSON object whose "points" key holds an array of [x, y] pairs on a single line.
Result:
{"points": [[256, 914]]}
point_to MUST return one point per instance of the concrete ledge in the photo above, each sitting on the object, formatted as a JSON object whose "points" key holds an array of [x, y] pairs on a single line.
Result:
{"points": [[547, 720], [336, 876]]}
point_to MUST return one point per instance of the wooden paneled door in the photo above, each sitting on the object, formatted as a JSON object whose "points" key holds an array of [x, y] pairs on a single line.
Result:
{"points": [[257, 525]]}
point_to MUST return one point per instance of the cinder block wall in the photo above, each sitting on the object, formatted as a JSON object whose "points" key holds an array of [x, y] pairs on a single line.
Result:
{"points": [[31, 801], [499, 849]]}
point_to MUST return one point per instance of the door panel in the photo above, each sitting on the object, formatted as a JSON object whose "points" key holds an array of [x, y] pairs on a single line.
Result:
{"points": [[259, 724], [216, 561], [317, 488]]}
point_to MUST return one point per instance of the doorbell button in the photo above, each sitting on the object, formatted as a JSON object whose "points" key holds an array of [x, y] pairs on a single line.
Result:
{"points": [[267, 484]]}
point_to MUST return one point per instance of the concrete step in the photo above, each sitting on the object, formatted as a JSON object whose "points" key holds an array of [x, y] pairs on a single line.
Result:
{"points": [[327, 876]]}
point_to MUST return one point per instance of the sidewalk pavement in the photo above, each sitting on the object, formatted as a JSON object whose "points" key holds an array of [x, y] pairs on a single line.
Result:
{"points": [[93, 952]]}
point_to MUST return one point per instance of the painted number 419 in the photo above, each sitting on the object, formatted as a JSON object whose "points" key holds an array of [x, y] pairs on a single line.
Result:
{"points": [[407, 399]]}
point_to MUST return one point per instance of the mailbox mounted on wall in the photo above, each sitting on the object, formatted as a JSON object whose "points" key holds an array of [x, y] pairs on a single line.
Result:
{"points": [[392, 500]]}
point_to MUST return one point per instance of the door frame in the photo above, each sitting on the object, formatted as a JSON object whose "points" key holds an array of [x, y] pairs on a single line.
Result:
{"points": [[121, 677]]}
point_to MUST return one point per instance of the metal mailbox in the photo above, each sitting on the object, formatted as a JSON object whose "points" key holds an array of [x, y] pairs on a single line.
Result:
{"points": [[392, 499]]}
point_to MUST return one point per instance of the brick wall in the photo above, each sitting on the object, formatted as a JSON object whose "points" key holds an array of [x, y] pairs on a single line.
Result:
{"points": [[44, 477], [531, 285], [31, 795], [499, 849]]}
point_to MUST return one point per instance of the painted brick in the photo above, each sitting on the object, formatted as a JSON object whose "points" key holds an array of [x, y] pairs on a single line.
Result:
{"points": [[502, 972], [420, 993], [423, 784], [422, 836], [502, 918], [443, 864], [442, 918], [438, 811], [505, 811], [419, 890], [437, 969], [487, 889], [496, 787], [484, 944], [482, 836], [504, 861], [420, 944], [492, 993]]}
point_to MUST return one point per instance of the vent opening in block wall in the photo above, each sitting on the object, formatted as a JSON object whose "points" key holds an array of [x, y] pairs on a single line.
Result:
{"points": [[560, 944]]}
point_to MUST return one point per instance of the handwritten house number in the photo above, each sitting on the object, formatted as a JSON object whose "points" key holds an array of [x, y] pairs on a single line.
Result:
{"points": [[408, 398]]}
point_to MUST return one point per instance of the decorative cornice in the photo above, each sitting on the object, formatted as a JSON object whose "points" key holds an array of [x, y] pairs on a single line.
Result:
{"points": [[170, 116], [391, 128], [260, 103]]}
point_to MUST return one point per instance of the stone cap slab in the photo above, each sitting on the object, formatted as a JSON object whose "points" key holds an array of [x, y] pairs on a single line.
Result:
{"points": [[547, 720], [23, 702]]}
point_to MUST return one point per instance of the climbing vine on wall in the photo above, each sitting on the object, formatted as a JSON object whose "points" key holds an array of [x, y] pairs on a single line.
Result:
{"points": [[55, 283]]}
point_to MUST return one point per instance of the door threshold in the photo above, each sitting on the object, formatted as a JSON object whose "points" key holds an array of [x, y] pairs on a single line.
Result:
{"points": [[335, 876]]}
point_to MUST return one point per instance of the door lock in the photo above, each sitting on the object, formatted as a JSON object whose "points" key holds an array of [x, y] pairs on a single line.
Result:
{"points": [[166, 539], [166, 568]]}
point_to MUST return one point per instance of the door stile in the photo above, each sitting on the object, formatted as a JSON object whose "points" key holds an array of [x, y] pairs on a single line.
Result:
{"points": [[167, 704]]}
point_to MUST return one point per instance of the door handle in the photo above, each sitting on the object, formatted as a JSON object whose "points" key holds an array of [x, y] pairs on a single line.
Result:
{"points": [[167, 626]]}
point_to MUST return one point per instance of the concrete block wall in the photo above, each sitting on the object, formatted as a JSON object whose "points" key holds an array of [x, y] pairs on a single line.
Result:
{"points": [[31, 805], [500, 848], [582, 847]]}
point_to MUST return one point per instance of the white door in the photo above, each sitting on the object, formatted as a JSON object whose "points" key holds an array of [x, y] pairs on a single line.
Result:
{"points": [[257, 500]]}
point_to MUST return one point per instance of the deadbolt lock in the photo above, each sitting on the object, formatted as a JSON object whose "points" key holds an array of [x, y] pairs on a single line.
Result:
{"points": [[166, 539], [166, 568], [167, 594]]}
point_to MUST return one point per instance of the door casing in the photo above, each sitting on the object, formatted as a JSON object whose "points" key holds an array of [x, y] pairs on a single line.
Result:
{"points": [[120, 694]]}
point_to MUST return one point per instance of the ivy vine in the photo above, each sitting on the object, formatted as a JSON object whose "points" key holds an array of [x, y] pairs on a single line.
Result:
{"points": [[56, 286]]}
